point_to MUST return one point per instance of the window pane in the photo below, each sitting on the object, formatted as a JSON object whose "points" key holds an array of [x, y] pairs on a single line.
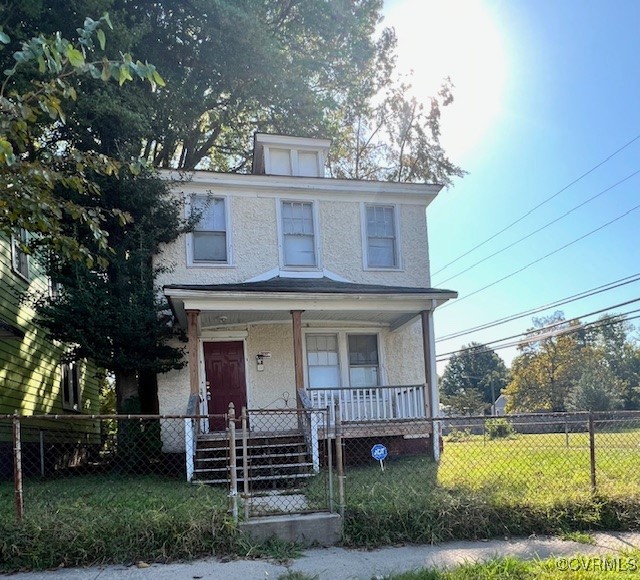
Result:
{"points": [[212, 214], [382, 252], [363, 376], [209, 246], [320, 377], [363, 349], [299, 250], [322, 361]]}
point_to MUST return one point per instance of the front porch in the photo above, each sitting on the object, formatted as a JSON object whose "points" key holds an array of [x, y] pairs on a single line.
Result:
{"points": [[363, 351]]}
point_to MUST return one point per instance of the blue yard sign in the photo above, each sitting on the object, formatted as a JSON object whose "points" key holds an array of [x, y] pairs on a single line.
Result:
{"points": [[379, 453]]}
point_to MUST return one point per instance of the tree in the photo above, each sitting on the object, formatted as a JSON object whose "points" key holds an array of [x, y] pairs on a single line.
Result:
{"points": [[37, 169], [597, 389], [113, 316], [543, 374], [396, 140], [475, 369], [233, 66], [569, 365]]}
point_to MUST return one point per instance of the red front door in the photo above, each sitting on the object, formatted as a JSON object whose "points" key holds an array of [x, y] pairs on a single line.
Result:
{"points": [[225, 376]]}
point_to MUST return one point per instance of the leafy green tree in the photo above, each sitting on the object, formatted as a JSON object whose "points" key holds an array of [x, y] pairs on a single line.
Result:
{"points": [[475, 369], [547, 368], [113, 315], [38, 171], [597, 389], [573, 366]]}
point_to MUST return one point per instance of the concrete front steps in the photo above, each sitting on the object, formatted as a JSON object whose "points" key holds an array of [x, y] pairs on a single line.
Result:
{"points": [[277, 461]]}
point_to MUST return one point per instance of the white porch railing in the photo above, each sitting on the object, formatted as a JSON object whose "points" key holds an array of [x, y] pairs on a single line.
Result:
{"points": [[372, 403]]}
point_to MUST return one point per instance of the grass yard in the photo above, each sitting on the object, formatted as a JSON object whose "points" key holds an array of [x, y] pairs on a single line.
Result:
{"points": [[98, 519], [487, 488], [481, 489]]}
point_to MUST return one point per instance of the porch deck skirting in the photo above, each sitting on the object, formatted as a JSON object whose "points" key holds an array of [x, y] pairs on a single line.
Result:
{"points": [[371, 404]]}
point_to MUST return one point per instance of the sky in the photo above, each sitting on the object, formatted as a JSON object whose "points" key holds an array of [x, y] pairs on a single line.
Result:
{"points": [[545, 92]]}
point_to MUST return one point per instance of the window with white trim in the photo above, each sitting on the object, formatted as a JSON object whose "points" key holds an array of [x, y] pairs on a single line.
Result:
{"points": [[70, 386], [323, 364], [363, 360], [298, 234], [19, 258], [381, 236], [209, 237]]}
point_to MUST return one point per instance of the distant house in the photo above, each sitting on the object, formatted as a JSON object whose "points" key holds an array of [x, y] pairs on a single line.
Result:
{"points": [[34, 378], [298, 290], [500, 405]]}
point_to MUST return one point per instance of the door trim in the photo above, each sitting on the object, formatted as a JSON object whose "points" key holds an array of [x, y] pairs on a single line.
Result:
{"points": [[222, 337]]}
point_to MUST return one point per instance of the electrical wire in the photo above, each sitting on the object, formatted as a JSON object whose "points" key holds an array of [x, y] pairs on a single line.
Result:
{"points": [[562, 301], [576, 240], [534, 232], [543, 202], [590, 325]]}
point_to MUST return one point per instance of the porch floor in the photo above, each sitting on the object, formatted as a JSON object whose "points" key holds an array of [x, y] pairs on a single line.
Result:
{"points": [[409, 428]]}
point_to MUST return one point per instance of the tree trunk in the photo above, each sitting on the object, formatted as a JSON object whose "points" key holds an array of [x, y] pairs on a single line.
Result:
{"points": [[127, 396], [149, 393]]}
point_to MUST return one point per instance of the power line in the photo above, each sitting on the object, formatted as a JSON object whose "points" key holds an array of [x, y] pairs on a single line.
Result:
{"points": [[543, 257], [581, 295], [591, 325], [548, 199], [561, 322], [545, 226]]}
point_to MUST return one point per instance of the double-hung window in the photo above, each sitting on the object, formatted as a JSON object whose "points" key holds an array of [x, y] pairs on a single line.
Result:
{"points": [[20, 259], [70, 386], [381, 236], [209, 237], [363, 360], [323, 362], [298, 234]]}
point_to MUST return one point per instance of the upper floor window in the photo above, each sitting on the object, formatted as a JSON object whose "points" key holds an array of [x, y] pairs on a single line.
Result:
{"points": [[70, 386], [381, 236], [20, 259], [209, 239], [299, 243]]}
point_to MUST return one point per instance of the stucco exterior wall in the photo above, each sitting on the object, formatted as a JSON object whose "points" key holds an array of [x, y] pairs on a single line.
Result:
{"points": [[404, 356], [254, 243], [267, 388]]}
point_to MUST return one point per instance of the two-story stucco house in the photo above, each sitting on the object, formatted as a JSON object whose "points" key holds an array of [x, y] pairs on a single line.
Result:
{"points": [[300, 289]]}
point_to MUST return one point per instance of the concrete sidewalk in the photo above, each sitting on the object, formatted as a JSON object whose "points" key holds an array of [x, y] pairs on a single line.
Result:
{"points": [[340, 563]]}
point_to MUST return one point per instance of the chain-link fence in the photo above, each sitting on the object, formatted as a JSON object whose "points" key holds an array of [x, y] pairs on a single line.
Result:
{"points": [[548, 457], [258, 462], [262, 462], [284, 464]]}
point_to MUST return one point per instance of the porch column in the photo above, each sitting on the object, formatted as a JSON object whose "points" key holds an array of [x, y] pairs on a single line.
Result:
{"points": [[296, 315], [192, 335], [428, 349], [432, 399]]}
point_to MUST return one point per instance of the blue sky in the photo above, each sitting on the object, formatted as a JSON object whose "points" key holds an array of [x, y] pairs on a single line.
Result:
{"points": [[546, 91]]}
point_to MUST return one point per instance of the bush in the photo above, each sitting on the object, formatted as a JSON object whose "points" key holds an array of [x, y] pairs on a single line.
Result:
{"points": [[499, 428], [457, 435]]}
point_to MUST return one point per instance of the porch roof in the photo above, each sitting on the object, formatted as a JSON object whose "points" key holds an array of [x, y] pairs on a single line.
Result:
{"points": [[321, 299]]}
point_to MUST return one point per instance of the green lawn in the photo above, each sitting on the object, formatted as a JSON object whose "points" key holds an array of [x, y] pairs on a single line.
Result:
{"points": [[481, 489], [97, 519]]}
